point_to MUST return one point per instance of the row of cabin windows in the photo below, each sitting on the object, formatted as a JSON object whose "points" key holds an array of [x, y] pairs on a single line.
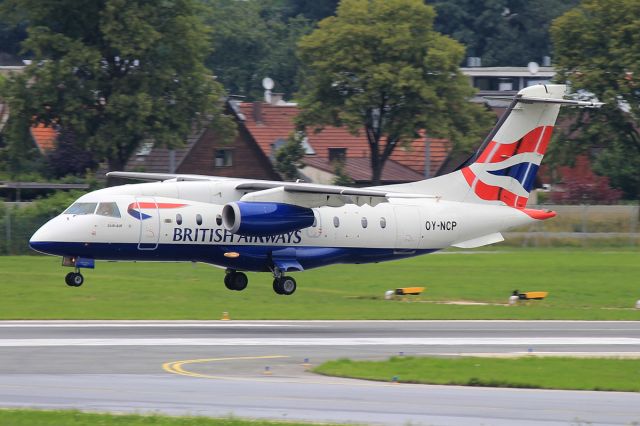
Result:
{"points": [[198, 219], [363, 221]]}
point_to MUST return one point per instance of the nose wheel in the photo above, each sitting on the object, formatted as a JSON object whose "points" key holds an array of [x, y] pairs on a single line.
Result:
{"points": [[284, 285], [234, 280], [74, 279]]}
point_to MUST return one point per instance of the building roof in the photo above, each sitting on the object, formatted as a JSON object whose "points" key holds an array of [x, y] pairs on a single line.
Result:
{"points": [[152, 159], [270, 123], [359, 169], [44, 137]]}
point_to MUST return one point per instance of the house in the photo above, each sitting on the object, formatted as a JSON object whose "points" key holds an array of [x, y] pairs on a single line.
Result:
{"points": [[263, 127]]}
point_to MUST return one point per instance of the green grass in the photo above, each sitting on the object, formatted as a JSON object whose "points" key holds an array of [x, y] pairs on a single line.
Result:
{"points": [[605, 374], [591, 285], [77, 418]]}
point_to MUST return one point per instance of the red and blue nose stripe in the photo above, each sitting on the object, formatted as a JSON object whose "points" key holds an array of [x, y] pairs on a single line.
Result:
{"points": [[134, 209]]}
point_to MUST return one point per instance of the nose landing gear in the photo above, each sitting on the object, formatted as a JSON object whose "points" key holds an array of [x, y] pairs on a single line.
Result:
{"points": [[74, 279]]}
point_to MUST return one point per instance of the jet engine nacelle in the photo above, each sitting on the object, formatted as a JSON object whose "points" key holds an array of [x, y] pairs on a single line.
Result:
{"points": [[263, 219]]}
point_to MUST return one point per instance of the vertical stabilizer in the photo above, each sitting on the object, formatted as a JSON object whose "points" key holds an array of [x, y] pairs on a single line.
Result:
{"points": [[504, 168]]}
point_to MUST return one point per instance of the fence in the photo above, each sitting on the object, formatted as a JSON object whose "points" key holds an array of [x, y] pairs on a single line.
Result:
{"points": [[575, 226], [581, 226]]}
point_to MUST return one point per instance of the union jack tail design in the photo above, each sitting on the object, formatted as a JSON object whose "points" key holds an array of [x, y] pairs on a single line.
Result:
{"points": [[503, 170], [506, 171]]}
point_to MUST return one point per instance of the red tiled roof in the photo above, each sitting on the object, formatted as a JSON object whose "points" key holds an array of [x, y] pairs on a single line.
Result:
{"points": [[277, 123], [359, 169], [44, 136]]}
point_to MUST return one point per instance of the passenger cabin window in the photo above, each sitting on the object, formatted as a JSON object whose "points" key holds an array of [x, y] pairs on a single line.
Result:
{"points": [[81, 208], [108, 209], [336, 221], [383, 222], [179, 219], [199, 219], [218, 220], [364, 222]]}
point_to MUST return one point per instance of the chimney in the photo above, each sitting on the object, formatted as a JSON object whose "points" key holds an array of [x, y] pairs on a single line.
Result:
{"points": [[257, 112], [276, 98]]}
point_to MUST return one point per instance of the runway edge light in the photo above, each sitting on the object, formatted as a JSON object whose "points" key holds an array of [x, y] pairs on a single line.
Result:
{"points": [[225, 317]]}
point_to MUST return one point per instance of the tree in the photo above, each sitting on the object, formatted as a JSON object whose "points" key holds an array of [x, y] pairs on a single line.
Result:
{"points": [[379, 67], [289, 156], [607, 66], [113, 73], [341, 177], [581, 186], [501, 32], [254, 39]]}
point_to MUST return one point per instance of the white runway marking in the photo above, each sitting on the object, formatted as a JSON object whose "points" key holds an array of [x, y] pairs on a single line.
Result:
{"points": [[453, 341]]}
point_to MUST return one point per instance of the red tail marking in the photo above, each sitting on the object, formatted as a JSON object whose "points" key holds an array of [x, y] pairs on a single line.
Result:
{"points": [[539, 214], [548, 131]]}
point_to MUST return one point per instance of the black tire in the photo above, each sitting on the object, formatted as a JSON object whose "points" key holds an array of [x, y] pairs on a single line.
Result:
{"points": [[228, 280], [77, 279], [69, 279], [287, 286], [276, 286], [240, 281]]}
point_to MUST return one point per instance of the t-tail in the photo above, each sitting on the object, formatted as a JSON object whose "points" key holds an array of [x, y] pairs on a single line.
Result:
{"points": [[504, 168]]}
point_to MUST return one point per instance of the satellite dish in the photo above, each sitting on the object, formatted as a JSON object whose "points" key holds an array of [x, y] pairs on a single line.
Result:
{"points": [[533, 67], [267, 83]]}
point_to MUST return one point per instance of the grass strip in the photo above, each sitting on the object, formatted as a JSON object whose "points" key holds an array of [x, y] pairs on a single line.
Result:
{"points": [[582, 285], [597, 374], [78, 418]]}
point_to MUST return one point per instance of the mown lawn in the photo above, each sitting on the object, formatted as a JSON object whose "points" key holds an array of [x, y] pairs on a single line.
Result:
{"points": [[591, 285], [77, 418], [604, 374]]}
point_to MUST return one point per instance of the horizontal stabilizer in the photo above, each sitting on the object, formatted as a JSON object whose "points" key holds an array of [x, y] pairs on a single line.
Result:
{"points": [[480, 241]]}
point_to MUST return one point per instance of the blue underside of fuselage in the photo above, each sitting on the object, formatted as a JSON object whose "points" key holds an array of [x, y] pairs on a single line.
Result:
{"points": [[251, 258]]}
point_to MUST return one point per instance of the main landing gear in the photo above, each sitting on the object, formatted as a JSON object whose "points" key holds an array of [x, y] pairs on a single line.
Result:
{"points": [[234, 280], [238, 281], [74, 279], [282, 284]]}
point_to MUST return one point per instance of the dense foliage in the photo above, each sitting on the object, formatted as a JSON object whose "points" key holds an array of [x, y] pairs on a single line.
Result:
{"points": [[112, 72], [379, 66], [605, 66]]}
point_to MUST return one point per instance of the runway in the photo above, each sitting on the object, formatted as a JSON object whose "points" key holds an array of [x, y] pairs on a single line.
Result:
{"points": [[259, 369]]}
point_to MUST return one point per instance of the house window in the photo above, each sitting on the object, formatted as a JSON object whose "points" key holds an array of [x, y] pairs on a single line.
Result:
{"points": [[224, 157], [337, 154]]}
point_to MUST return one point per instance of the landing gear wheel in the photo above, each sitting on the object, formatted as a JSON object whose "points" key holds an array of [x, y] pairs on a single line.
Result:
{"points": [[237, 281], [240, 281], [284, 285], [74, 279]]}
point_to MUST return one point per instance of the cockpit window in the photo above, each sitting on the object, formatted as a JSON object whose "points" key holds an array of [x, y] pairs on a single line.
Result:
{"points": [[108, 209], [81, 208]]}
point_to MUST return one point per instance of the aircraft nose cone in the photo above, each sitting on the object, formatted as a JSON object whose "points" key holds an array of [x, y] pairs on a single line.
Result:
{"points": [[41, 240]]}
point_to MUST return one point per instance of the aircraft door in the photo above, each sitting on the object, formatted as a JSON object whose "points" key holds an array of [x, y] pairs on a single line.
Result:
{"points": [[147, 212], [407, 227]]}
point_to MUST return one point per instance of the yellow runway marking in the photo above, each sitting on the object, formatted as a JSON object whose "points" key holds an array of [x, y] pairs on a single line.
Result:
{"points": [[175, 367]]}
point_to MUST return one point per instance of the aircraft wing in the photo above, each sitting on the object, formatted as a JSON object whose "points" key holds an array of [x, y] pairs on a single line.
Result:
{"points": [[297, 193], [313, 195], [163, 176]]}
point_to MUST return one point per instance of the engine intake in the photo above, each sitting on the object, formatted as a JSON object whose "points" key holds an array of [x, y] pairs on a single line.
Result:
{"points": [[261, 219]]}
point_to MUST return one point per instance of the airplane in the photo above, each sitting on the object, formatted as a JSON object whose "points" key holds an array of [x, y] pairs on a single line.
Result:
{"points": [[245, 225]]}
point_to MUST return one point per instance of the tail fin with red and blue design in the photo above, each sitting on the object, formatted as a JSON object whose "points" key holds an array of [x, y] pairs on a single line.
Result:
{"points": [[504, 168]]}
